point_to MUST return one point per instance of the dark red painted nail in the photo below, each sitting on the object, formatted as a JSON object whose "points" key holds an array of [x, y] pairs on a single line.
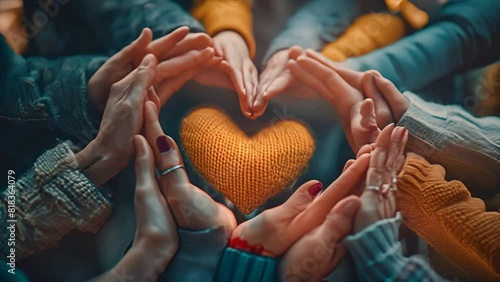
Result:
{"points": [[315, 189], [162, 143]]}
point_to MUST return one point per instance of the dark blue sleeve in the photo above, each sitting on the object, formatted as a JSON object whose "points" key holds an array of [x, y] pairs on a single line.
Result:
{"points": [[52, 91], [118, 22], [465, 34]]}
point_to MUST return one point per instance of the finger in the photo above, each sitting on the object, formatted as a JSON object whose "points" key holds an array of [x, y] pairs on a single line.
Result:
{"points": [[300, 199], [165, 150], [146, 185], [323, 203], [384, 114], [295, 52], [278, 86], [169, 87], [177, 65], [153, 97], [348, 164], [248, 82], [353, 78], [142, 79], [389, 91], [374, 176], [299, 73], [365, 149], [161, 46], [193, 41], [395, 143], [364, 128], [128, 54], [339, 221]]}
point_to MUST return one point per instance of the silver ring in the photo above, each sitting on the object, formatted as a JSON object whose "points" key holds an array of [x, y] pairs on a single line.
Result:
{"points": [[170, 169], [372, 187]]}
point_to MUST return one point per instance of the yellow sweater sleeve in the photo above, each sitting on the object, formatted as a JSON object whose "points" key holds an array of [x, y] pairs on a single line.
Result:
{"points": [[446, 216], [368, 33], [220, 15]]}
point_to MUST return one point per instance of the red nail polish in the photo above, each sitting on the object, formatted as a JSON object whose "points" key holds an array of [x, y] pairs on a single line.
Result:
{"points": [[163, 144], [315, 189]]}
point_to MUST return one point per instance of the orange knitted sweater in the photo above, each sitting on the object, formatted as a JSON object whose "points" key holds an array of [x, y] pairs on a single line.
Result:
{"points": [[446, 216]]}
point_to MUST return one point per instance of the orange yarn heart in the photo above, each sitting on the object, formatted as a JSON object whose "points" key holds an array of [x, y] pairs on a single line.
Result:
{"points": [[247, 170]]}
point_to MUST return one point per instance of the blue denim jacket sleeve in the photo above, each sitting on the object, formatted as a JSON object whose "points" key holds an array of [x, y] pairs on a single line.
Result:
{"points": [[118, 22], [464, 34], [51, 91]]}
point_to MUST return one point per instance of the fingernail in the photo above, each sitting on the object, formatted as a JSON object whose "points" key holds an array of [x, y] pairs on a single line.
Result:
{"points": [[257, 249], [163, 144], [315, 189], [146, 61]]}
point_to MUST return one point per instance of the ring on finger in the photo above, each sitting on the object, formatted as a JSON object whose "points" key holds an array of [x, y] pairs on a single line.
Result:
{"points": [[166, 171], [373, 188]]}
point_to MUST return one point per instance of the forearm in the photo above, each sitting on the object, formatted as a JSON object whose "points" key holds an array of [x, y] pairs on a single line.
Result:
{"points": [[378, 255], [51, 91], [50, 200], [117, 23], [464, 145], [464, 35], [316, 23], [235, 15]]}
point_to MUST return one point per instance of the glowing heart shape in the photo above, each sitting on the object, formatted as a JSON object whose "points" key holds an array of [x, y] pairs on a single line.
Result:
{"points": [[248, 170]]}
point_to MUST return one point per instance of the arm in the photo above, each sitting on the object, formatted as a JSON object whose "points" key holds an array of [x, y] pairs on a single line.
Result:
{"points": [[316, 23], [55, 91], [378, 255], [235, 15], [51, 199], [464, 145], [117, 23], [463, 35]]}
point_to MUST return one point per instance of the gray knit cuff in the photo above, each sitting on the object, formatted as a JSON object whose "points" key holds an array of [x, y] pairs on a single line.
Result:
{"points": [[52, 199], [377, 246]]}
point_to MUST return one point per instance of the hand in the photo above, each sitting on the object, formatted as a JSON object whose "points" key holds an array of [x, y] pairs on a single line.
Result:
{"points": [[232, 47], [275, 79], [192, 208], [275, 230], [377, 200], [165, 48], [112, 149], [156, 240]]}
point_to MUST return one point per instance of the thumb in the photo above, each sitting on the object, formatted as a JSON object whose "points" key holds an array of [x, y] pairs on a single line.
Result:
{"points": [[339, 221]]}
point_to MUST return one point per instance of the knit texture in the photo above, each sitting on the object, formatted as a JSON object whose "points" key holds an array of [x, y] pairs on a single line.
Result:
{"points": [[52, 199], [247, 170], [234, 15], [449, 219], [237, 265], [368, 33]]}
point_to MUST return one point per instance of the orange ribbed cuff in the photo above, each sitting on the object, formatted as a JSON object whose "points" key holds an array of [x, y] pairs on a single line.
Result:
{"points": [[219, 16], [449, 219]]}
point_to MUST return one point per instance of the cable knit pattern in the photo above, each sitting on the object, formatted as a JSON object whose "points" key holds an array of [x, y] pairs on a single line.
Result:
{"points": [[52, 199], [449, 219], [248, 170]]}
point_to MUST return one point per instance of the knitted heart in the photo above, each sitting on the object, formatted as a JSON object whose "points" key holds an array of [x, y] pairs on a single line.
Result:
{"points": [[248, 170]]}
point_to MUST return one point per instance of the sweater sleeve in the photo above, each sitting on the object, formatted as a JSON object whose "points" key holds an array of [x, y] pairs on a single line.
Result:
{"points": [[464, 145], [315, 23], [117, 23], [52, 91], [464, 35], [48, 201], [221, 15], [378, 255], [445, 215]]}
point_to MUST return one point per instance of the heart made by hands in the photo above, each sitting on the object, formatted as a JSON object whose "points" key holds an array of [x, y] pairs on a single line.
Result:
{"points": [[248, 170]]}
